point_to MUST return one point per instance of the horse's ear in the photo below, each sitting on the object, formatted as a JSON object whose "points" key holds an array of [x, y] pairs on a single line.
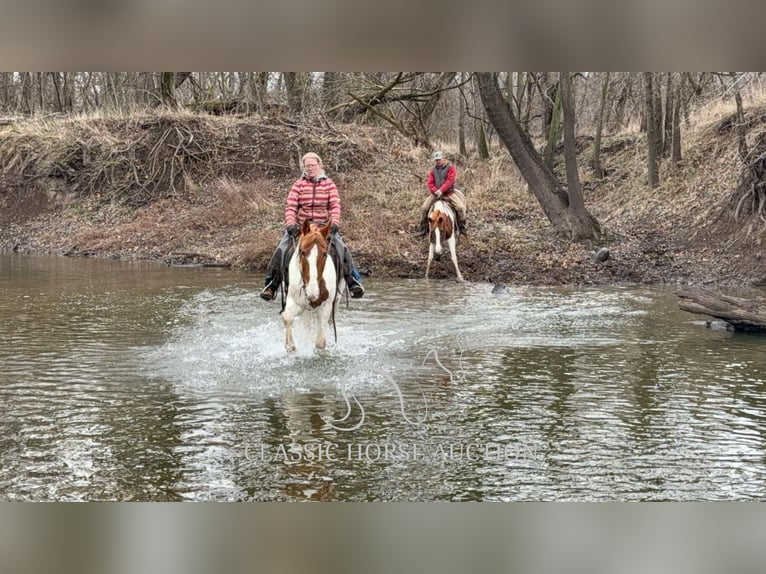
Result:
{"points": [[325, 231], [306, 227]]}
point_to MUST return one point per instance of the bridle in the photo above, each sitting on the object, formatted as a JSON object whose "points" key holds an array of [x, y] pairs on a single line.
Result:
{"points": [[306, 243]]}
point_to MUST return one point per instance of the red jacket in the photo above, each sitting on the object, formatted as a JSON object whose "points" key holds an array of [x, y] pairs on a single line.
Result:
{"points": [[449, 181], [318, 201]]}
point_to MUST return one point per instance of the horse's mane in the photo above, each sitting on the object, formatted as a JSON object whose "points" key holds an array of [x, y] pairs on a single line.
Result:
{"points": [[312, 236]]}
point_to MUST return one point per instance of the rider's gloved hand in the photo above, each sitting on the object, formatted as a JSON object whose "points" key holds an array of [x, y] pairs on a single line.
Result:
{"points": [[292, 230], [334, 229]]}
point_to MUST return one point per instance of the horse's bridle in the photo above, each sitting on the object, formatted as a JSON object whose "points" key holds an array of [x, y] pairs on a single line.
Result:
{"points": [[323, 247]]}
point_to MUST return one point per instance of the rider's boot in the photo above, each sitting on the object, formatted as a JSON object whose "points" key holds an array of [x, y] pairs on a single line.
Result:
{"points": [[422, 229], [354, 282], [269, 292], [460, 221]]}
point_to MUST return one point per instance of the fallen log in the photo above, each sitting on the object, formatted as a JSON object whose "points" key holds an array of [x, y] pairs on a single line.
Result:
{"points": [[746, 315]]}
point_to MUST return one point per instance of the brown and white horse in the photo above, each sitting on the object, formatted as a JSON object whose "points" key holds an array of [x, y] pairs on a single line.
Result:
{"points": [[313, 283], [441, 229]]}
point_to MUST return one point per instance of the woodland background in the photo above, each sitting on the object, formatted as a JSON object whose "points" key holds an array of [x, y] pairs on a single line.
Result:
{"points": [[666, 169]]}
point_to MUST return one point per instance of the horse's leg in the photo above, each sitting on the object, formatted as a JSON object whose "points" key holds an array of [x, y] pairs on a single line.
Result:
{"points": [[453, 254], [322, 319], [430, 258], [288, 316]]}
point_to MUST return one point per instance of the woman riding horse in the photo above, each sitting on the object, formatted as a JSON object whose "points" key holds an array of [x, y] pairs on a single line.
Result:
{"points": [[313, 197]]}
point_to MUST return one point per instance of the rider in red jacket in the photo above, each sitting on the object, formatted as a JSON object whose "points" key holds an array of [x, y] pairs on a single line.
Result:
{"points": [[441, 185]]}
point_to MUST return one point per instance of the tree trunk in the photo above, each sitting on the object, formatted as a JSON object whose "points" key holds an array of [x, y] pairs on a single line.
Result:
{"points": [[543, 184], [546, 97], [57, 90], [6, 102], [168, 89], [667, 138], [26, 93], [41, 76], [330, 89], [596, 162], [581, 220], [260, 89], [554, 129], [481, 141], [481, 137], [651, 136], [294, 88], [742, 314], [676, 147], [657, 91], [622, 102], [518, 97], [461, 117], [740, 129], [520, 85], [528, 108]]}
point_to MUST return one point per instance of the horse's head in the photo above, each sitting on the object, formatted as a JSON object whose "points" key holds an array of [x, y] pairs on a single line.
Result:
{"points": [[312, 251], [440, 228]]}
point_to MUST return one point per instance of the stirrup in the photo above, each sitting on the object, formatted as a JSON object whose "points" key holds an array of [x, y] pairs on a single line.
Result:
{"points": [[356, 289], [268, 293]]}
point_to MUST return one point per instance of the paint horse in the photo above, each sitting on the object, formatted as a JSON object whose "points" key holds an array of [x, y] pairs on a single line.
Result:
{"points": [[312, 284], [442, 229]]}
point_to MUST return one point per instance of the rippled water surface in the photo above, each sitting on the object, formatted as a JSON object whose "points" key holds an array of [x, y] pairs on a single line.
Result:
{"points": [[134, 381]]}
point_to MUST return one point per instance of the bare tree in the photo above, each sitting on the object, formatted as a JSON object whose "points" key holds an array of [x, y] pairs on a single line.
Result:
{"points": [[676, 134], [554, 129], [294, 86], [420, 114], [554, 200], [169, 83], [330, 89], [481, 137], [667, 126], [741, 128], [579, 216], [596, 161], [657, 109], [461, 118], [651, 135]]}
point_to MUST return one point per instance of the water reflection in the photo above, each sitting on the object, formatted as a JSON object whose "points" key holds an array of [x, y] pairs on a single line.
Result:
{"points": [[140, 382]]}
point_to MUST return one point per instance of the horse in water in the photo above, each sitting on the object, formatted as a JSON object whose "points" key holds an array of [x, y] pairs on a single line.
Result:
{"points": [[312, 283], [441, 229]]}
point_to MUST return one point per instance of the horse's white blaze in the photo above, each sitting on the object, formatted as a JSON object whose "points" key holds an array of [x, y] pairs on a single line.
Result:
{"points": [[438, 241], [300, 296], [312, 289]]}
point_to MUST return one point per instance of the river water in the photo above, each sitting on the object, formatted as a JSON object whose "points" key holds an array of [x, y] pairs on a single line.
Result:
{"points": [[135, 381]]}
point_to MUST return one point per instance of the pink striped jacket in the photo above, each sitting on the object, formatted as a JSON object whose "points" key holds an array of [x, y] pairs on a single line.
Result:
{"points": [[316, 200]]}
